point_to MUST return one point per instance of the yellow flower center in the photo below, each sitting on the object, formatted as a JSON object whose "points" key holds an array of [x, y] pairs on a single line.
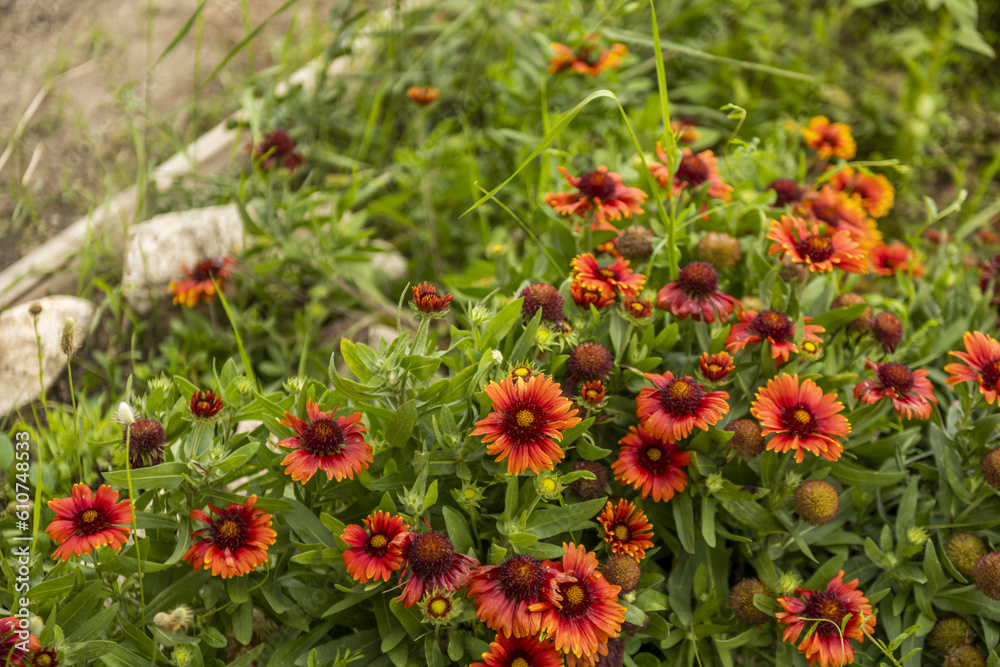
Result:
{"points": [[608, 273], [592, 395], [621, 532], [801, 416], [521, 371], [229, 529], [549, 485], [520, 662], [439, 607], [574, 595], [714, 368], [637, 307], [378, 540], [831, 608], [653, 454], [525, 418], [90, 516], [809, 347], [42, 660], [681, 389]]}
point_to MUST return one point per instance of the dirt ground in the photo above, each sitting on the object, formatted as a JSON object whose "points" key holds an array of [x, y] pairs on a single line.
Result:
{"points": [[89, 60]]}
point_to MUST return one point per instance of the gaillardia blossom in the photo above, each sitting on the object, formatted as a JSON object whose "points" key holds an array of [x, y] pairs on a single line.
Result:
{"points": [[637, 308], [235, 542], [277, 149], [839, 606], [819, 251], [651, 465], [43, 657], [830, 139], [626, 529], [842, 212], [601, 190], [588, 58], [801, 417], [430, 563], [198, 283], [982, 364], [774, 326], [504, 593], [693, 170], [584, 614], [426, 299], [897, 257], [527, 422], [85, 521], [715, 367], [205, 404], [144, 438], [520, 652], [696, 294], [600, 295], [910, 391], [616, 275], [874, 191], [332, 444], [422, 95], [15, 649], [673, 407], [375, 551]]}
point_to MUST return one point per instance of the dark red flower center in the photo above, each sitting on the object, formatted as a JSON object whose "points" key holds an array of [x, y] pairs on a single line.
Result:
{"points": [[692, 169], [826, 213], [698, 279], [826, 605], [773, 324], [229, 531], [205, 404], [575, 600], [521, 577], [90, 521], [431, 554], [681, 396], [989, 373], [598, 184], [323, 437], [523, 422], [816, 247], [798, 419], [206, 270], [654, 459], [620, 531], [896, 375]]}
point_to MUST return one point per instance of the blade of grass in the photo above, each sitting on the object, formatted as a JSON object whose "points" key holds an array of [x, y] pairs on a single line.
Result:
{"points": [[670, 146], [185, 29], [243, 42]]}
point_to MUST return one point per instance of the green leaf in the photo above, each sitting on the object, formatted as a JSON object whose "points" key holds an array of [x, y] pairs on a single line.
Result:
{"points": [[500, 324], [854, 475], [684, 520], [545, 523], [458, 530], [401, 425], [163, 476], [97, 623], [834, 319]]}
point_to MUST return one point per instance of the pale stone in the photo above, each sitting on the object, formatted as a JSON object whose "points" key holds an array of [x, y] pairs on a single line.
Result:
{"points": [[19, 348], [158, 248]]}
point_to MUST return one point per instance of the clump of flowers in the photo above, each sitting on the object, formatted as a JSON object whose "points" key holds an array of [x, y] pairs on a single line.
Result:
{"points": [[696, 294], [199, 285], [526, 424], [910, 391], [832, 617], [775, 327], [504, 594], [86, 521], [873, 191], [429, 564], [277, 150], [235, 542], [626, 529], [830, 139], [587, 58]]}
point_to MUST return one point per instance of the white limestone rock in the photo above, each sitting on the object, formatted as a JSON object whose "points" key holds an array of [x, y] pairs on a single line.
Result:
{"points": [[19, 349], [158, 248]]}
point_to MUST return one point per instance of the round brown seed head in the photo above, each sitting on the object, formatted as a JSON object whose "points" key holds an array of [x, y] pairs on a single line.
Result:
{"points": [[589, 489], [622, 570], [950, 633], [888, 330], [965, 656], [544, 296], [589, 361], [747, 440], [963, 550], [635, 243], [864, 321], [991, 468], [719, 249], [817, 502], [741, 601], [986, 575]]}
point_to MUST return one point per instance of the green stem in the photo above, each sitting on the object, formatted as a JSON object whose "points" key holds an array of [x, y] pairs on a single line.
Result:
{"points": [[247, 368], [135, 528], [76, 425]]}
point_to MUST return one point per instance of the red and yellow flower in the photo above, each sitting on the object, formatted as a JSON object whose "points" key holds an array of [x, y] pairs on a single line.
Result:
{"points": [[205, 404], [822, 252], [830, 139], [674, 406], [503, 594], [422, 95], [584, 612], [375, 551], [588, 58], [426, 299], [601, 190], [617, 275], [430, 564], [592, 394], [85, 521], [839, 210], [520, 652], [324, 442], [43, 657], [651, 465], [874, 191], [840, 608], [895, 258], [235, 542], [198, 283], [15, 649], [693, 170], [774, 326], [527, 422], [981, 364], [276, 149], [910, 390], [716, 367], [600, 295], [696, 294], [801, 417], [626, 529], [637, 307]]}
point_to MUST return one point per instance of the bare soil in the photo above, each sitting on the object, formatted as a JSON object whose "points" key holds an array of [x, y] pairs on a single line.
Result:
{"points": [[92, 57]]}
